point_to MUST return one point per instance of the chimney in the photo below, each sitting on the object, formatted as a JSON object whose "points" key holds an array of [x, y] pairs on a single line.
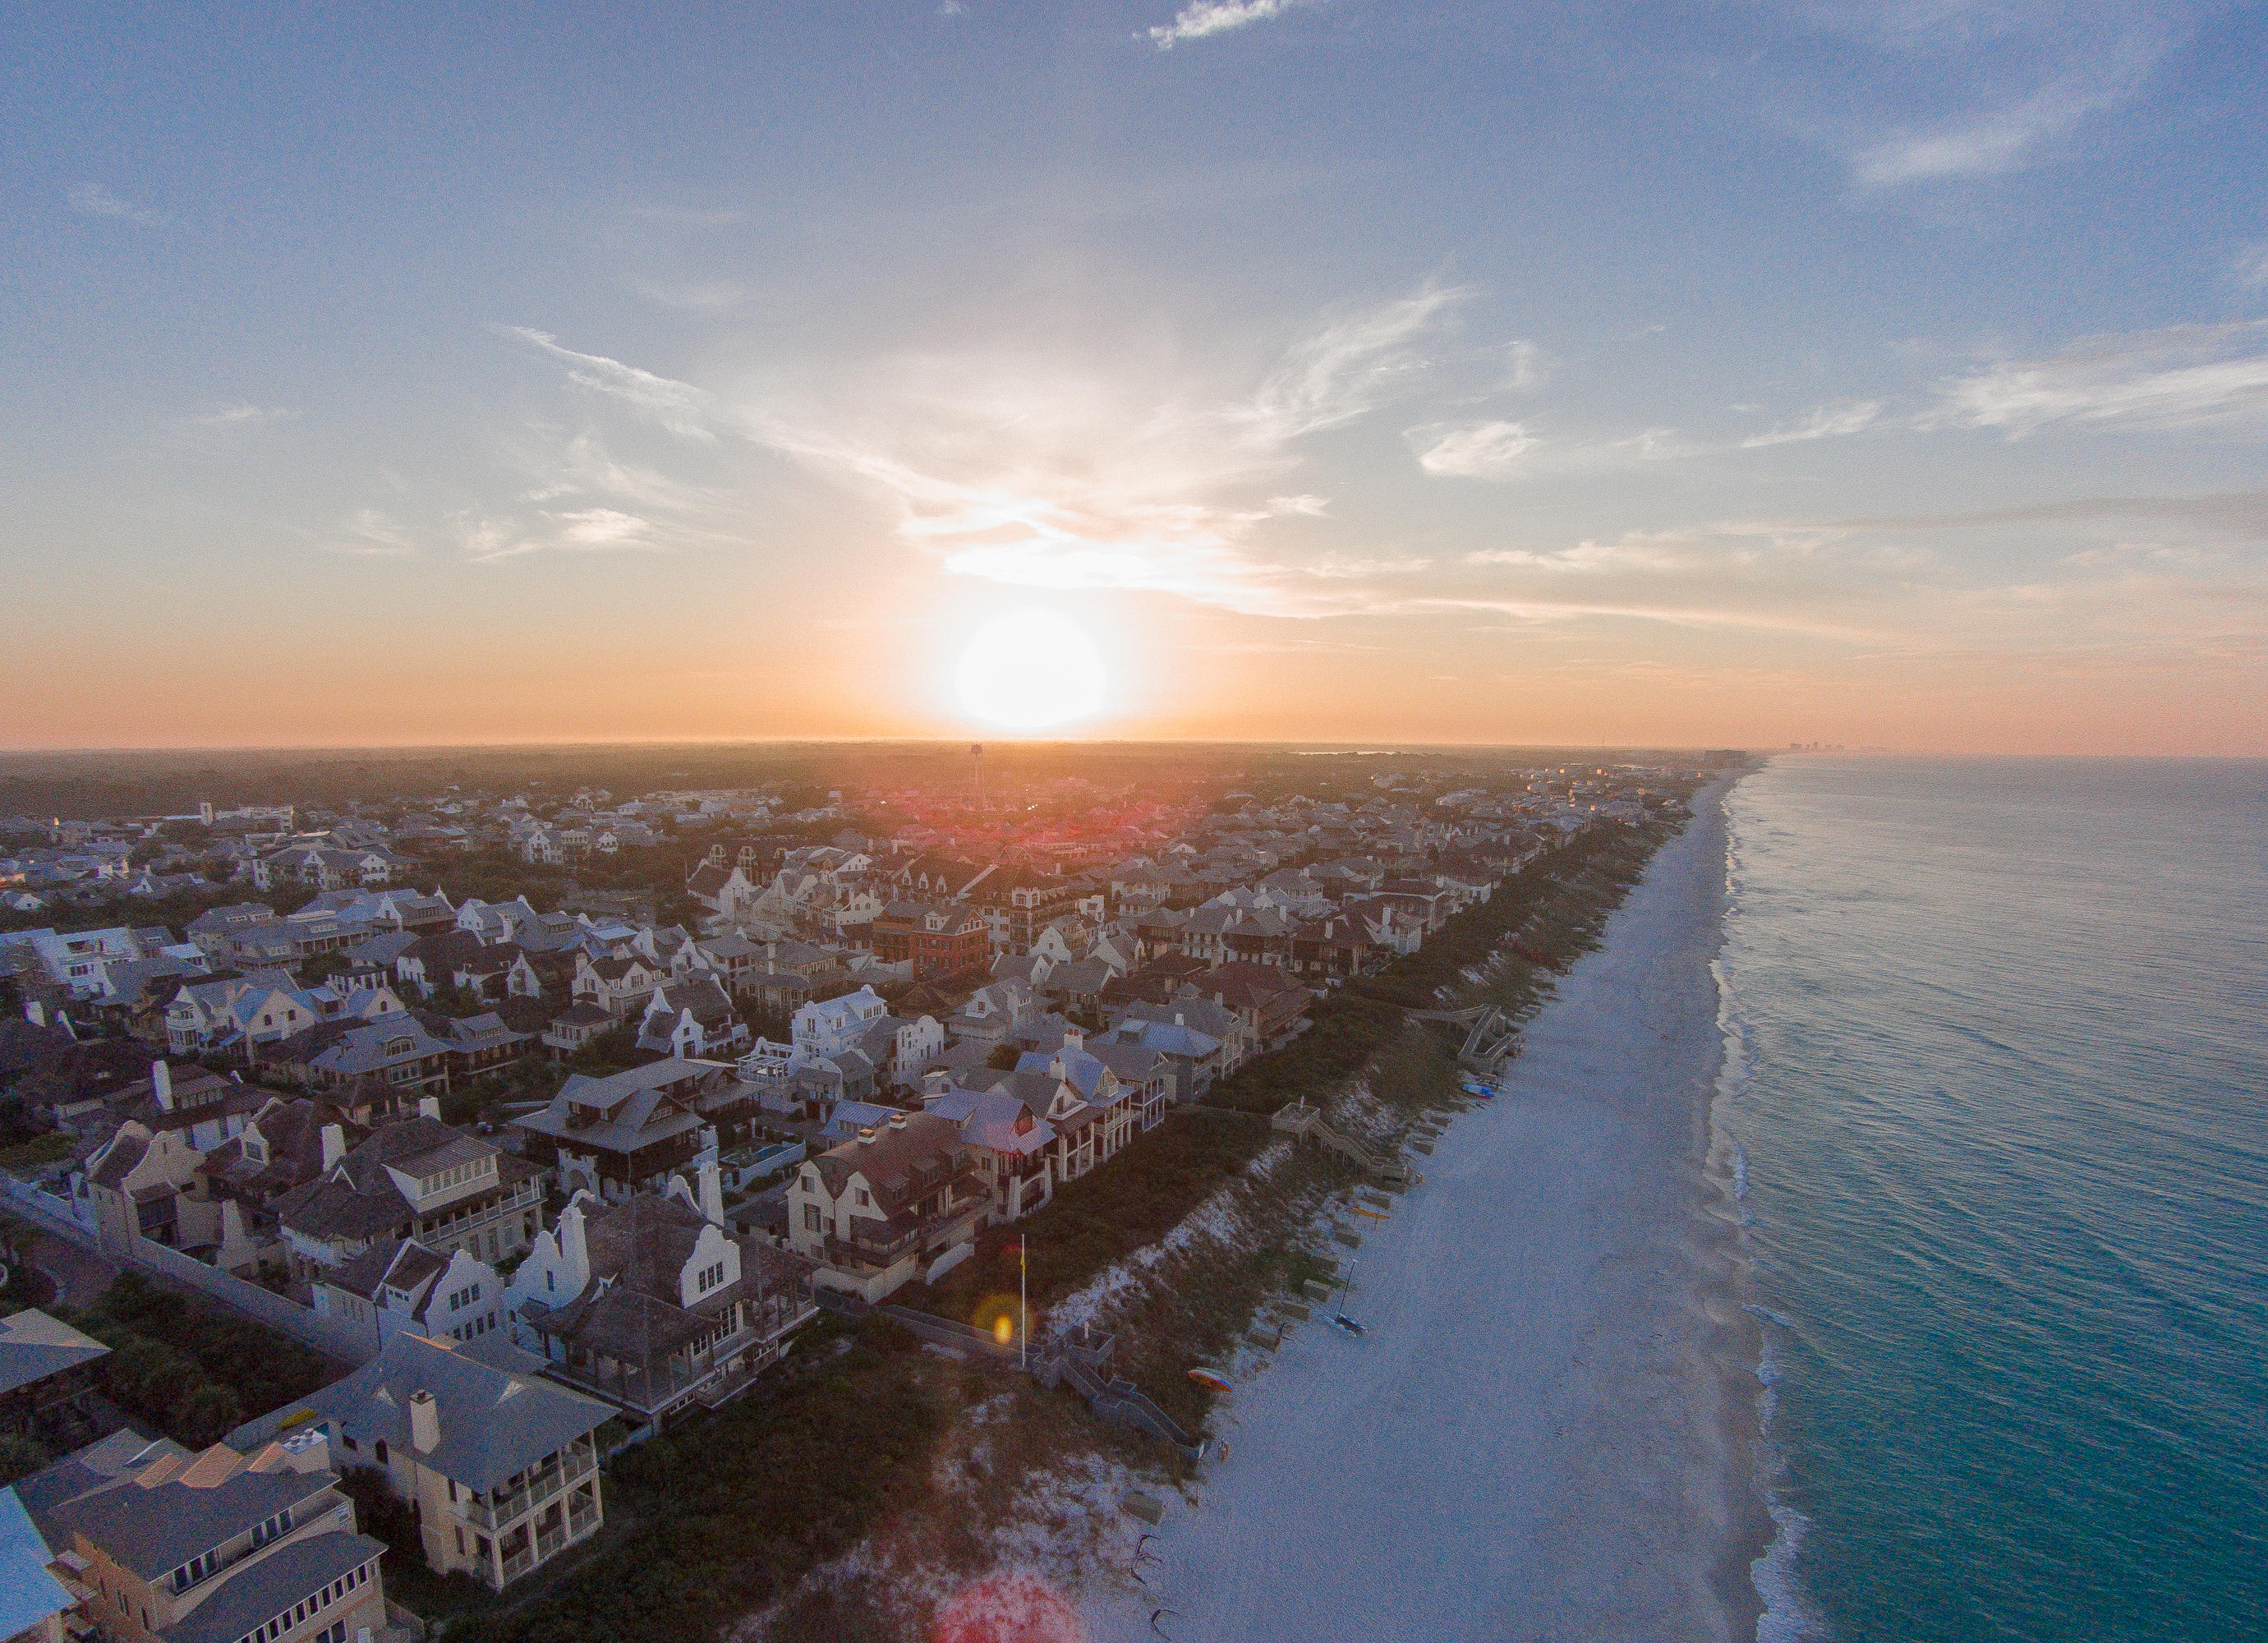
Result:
{"points": [[866, 1135], [429, 1106], [1075, 1038], [1179, 1020], [424, 1423], [161, 1081], [712, 1189], [897, 1121], [334, 1145]]}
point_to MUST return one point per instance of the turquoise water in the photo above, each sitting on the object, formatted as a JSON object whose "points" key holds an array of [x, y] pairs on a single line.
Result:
{"points": [[1998, 1068]]}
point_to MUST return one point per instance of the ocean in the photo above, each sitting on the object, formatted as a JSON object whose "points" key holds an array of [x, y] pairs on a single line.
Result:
{"points": [[1997, 1074]]}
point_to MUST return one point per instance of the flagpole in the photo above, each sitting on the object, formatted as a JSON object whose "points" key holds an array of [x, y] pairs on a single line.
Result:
{"points": [[1023, 1300]]}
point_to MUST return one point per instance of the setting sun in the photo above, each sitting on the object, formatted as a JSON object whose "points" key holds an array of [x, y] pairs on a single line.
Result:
{"points": [[1030, 669]]}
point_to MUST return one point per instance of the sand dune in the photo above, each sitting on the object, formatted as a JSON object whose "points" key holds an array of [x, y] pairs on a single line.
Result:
{"points": [[1548, 1431]]}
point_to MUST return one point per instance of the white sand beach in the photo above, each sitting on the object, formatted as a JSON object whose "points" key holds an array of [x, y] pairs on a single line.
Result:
{"points": [[1548, 1431]]}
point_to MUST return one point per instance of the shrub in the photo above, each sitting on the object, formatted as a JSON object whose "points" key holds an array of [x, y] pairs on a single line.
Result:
{"points": [[193, 1374]]}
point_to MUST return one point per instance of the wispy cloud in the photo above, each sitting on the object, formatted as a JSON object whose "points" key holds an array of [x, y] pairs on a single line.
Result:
{"points": [[1671, 614], [1514, 450], [1643, 553], [1524, 366], [710, 297], [483, 539], [1827, 423], [1030, 474], [2239, 513], [677, 406], [583, 466], [93, 200], [1204, 17], [1345, 369], [1989, 144], [1340, 570], [1484, 450], [240, 416], [2031, 72], [2181, 376], [2251, 269], [369, 533]]}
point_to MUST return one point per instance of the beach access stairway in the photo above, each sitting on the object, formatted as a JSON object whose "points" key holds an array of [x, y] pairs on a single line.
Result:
{"points": [[1303, 1119], [1083, 1365], [1490, 1039]]}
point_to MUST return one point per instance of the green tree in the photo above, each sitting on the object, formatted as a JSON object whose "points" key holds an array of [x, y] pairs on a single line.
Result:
{"points": [[205, 1414], [19, 1457]]}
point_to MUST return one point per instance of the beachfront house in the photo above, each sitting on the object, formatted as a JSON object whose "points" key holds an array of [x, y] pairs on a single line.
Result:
{"points": [[501, 1465]]}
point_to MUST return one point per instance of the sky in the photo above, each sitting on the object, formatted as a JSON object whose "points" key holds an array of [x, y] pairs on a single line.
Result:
{"points": [[1718, 375]]}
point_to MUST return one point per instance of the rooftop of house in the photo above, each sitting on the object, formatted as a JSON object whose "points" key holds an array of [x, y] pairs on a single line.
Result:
{"points": [[254, 1595], [625, 1111], [632, 1309], [910, 1153], [998, 1119], [499, 1416], [357, 1200], [33, 1346], [172, 1507], [28, 1594], [291, 1133]]}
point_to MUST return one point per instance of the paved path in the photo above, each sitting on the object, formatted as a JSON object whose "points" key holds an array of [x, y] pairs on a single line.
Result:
{"points": [[80, 1275]]}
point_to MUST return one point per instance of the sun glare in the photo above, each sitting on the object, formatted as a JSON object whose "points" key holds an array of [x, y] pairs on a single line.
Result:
{"points": [[1029, 670]]}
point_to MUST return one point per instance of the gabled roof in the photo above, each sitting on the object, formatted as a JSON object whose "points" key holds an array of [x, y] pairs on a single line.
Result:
{"points": [[153, 1527], [359, 1200], [636, 1109], [33, 1346], [498, 1415], [899, 1164], [292, 1128], [126, 1151], [638, 1250], [252, 1596], [997, 1119], [28, 1594]]}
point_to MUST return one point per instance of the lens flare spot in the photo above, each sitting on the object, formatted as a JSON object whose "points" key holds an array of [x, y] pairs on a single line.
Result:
{"points": [[1008, 1609], [996, 1316]]}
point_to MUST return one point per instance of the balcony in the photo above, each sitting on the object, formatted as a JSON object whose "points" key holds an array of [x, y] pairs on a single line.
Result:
{"points": [[657, 1387], [889, 1251], [491, 1512], [518, 1564], [474, 1215]]}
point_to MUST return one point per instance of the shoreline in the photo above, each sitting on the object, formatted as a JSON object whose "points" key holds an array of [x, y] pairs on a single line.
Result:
{"points": [[1553, 1426]]}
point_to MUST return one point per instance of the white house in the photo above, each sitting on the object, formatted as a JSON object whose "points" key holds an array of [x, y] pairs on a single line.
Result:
{"points": [[406, 1288], [900, 1201]]}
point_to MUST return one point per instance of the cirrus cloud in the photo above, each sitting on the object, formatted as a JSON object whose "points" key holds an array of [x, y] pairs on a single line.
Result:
{"points": [[1483, 450], [2177, 377], [1202, 17]]}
